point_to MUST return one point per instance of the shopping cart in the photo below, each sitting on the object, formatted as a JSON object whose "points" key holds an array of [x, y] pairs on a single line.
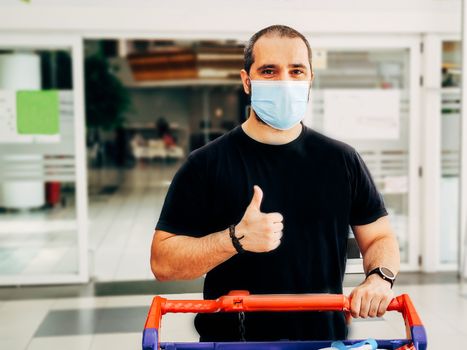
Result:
{"points": [[242, 301]]}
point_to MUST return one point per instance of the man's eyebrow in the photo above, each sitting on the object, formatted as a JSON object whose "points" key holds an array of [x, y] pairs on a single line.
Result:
{"points": [[298, 65], [266, 66]]}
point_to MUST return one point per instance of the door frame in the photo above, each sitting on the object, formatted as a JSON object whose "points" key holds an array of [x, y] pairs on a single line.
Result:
{"points": [[412, 42]]}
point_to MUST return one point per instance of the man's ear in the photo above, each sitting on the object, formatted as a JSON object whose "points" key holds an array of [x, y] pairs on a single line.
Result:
{"points": [[245, 81]]}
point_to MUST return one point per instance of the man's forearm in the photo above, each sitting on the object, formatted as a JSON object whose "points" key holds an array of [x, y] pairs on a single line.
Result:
{"points": [[379, 247], [383, 252], [183, 257]]}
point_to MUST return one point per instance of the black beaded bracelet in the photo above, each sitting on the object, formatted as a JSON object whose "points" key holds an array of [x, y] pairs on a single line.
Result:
{"points": [[235, 240]]}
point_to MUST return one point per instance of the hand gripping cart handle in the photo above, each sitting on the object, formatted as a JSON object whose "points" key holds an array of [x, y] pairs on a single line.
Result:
{"points": [[242, 301]]}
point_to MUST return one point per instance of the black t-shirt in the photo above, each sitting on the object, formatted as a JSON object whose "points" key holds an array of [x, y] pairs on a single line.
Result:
{"points": [[319, 185]]}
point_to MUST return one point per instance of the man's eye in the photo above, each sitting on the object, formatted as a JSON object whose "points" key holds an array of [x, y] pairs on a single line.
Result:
{"points": [[268, 71], [297, 72]]}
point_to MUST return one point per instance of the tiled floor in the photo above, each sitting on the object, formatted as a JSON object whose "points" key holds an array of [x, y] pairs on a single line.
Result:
{"points": [[115, 322], [122, 223]]}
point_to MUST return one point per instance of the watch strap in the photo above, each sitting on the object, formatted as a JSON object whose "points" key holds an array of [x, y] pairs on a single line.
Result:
{"points": [[379, 273], [236, 240]]}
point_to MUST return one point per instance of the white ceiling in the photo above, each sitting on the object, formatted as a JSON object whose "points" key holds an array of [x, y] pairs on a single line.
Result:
{"points": [[362, 5]]}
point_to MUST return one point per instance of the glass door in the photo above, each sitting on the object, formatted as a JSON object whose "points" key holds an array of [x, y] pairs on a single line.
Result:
{"points": [[365, 93], [441, 146], [450, 151], [43, 197]]}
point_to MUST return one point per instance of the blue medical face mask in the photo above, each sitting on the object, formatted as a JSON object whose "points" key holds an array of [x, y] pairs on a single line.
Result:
{"points": [[280, 103]]}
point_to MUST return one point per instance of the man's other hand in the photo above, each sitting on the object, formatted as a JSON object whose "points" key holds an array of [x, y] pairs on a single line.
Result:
{"points": [[371, 298]]}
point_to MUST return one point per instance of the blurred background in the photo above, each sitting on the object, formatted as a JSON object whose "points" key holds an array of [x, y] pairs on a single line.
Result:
{"points": [[102, 101]]}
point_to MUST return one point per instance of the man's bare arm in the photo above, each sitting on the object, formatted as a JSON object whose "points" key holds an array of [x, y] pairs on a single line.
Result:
{"points": [[180, 257], [177, 257], [378, 245]]}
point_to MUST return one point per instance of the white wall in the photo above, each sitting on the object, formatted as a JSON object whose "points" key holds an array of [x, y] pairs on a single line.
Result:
{"points": [[236, 19]]}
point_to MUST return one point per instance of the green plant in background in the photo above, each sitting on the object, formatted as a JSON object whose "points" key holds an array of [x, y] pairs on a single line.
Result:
{"points": [[107, 100]]}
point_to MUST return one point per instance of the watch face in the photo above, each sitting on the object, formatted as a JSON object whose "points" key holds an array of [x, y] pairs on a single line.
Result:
{"points": [[386, 272]]}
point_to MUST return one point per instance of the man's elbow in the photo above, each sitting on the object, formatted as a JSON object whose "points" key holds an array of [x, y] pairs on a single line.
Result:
{"points": [[159, 271], [159, 264], [163, 272], [160, 267]]}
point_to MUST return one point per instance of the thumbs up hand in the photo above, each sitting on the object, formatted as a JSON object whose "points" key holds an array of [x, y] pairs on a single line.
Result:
{"points": [[262, 231]]}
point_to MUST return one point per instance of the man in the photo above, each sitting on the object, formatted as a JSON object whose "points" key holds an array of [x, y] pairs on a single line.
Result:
{"points": [[267, 208]]}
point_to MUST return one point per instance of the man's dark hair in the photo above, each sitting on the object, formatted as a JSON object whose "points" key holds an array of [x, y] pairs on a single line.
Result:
{"points": [[279, 30]]}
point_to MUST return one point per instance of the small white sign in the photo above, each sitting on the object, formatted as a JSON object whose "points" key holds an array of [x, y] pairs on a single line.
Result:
{"points": [[362, 114]]}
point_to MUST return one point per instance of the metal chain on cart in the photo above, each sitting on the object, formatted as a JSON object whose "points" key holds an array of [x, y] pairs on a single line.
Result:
{"points": [[241, 327]]}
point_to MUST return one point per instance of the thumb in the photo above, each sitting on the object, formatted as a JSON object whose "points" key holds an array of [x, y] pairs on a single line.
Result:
{"points": [[257, 198]]}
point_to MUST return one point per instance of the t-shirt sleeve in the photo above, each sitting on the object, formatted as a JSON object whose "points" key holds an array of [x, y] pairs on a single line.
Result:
{"points": [[184, 208], [367, 202]]}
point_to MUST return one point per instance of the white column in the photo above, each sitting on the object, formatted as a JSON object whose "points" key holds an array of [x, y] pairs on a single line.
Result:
{"points": [[431, 153], [21, 71], [80, 158]]}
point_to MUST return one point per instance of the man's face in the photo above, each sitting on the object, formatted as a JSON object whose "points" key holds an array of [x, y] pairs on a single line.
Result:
{"points": [[278, 58]]}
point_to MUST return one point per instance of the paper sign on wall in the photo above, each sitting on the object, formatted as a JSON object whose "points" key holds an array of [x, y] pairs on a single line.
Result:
{"points": [[361, 114]]}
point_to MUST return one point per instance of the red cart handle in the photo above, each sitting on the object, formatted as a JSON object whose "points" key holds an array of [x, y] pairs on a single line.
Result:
{"points": [[237, 301], [242, 301]]}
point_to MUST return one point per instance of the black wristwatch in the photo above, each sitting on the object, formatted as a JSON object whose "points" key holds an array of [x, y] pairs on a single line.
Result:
{"points": [[384, 273]]}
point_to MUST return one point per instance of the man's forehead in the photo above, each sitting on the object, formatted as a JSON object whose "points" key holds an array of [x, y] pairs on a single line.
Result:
{"points": [[274, 49]]}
